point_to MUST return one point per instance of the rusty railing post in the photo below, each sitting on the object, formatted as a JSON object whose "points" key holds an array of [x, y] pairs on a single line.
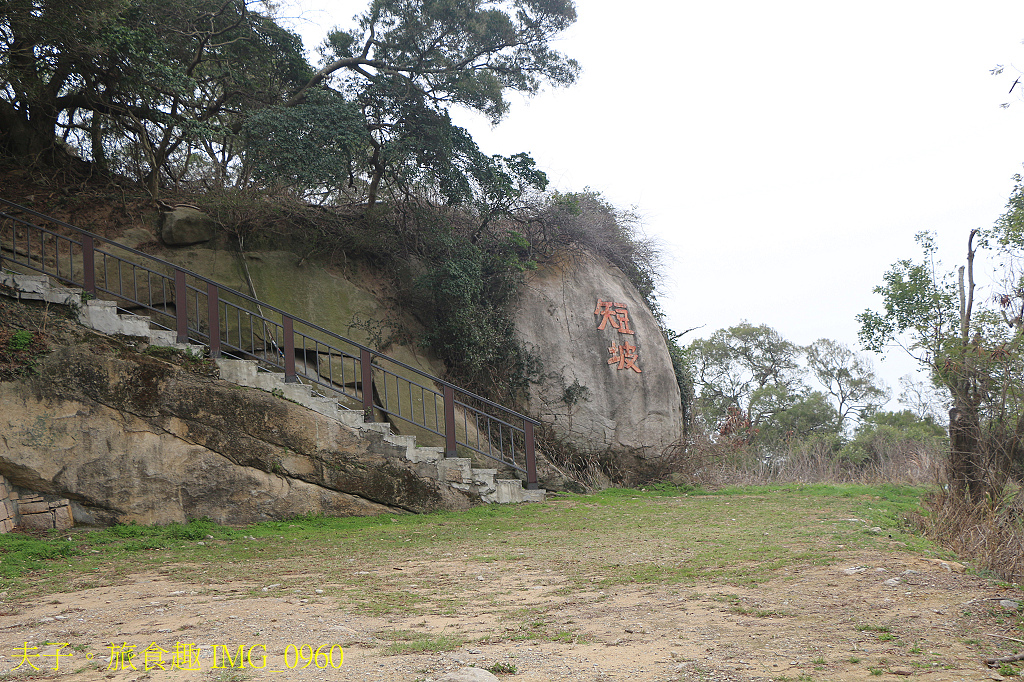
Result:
{"points": [[89, 264], [366, 383], [181, 305], [531, 456], [449, 421], [289, 350], [213, 309]]}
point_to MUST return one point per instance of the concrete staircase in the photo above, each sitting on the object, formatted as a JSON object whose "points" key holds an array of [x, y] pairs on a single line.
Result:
{"points": [[103, 316]]}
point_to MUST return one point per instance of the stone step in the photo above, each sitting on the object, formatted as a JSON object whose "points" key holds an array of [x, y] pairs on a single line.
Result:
{"points": [[168, 339], [508, 491], [241, 372], [425, 453], [25, 287], [455, 470], [538, 495], [68, 296], [163, 337], [103, 316], [351, 418]]}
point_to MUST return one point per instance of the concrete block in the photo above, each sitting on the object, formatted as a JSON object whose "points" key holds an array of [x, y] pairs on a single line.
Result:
{"points": [[241, 372], [9, 283], [63, 296], [425, 454], [296, 392], [425, 469], [325, 406], [484, 477], [268, 381], [99, 315], [402, 440], [378, 427], [102, 316], [169, 338], [28, 287], [351, 418], [133, 325], [508, 491], [163, 337], [455, 470], [538, 495]]}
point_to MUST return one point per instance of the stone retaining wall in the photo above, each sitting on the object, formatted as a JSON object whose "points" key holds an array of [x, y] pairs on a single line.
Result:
{"points": [[31, 511]]}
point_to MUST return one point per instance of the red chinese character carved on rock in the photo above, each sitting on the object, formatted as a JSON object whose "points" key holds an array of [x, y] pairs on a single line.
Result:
{"points": [[615, 313], [624, 356]]}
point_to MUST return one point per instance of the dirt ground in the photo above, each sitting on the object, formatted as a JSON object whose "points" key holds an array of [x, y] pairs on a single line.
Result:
{"points": [[872, 615]]}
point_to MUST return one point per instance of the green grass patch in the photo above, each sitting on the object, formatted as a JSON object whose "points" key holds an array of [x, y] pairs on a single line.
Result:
{"points": [[664, 535], [390, 601], [21, 554], [503, 669], [412, 642]]}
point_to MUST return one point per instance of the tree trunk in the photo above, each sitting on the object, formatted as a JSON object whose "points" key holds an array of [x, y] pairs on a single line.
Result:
{"points": [[378, 167], [966, 473], [965, 469], [26, 139]]}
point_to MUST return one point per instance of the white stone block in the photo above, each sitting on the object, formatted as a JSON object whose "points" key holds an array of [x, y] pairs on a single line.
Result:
{"points": [[455, 470], [241, 372], [351, 418], [508, 491], [538, 495], [425, 454], [63, 296], [163, 337]]}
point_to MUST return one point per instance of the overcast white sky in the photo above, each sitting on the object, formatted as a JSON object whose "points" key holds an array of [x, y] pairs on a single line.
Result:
{"points": [[785, 153]]}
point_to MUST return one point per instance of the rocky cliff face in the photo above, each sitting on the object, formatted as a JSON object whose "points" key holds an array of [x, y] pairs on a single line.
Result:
{"points": [[608, 381], [128, 437]]}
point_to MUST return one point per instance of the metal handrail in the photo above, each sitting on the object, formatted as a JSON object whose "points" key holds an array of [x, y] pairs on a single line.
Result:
{"points": [[488, 428]]}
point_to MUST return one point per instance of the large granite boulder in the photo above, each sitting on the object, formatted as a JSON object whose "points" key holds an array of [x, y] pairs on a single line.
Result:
{"points": [[184, 225], [128, 437], [608, 381]]}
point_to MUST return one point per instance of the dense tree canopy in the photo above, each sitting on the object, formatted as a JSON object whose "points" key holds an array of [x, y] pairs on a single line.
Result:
{"points": [[752, 386], [217, 92], [969, 346], [142, 82]]}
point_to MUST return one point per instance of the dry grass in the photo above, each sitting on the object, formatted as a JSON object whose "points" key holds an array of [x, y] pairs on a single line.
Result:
{"points": [[714, 465], [988, 533]]}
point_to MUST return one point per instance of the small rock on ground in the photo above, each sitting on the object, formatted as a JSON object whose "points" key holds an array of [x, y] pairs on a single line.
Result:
{"points": [[468, 675]]}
